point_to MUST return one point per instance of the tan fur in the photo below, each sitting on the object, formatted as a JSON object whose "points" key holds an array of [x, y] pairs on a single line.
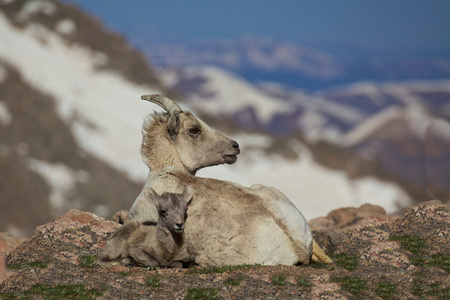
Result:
{"points": [[227, 223], [151, 244]]}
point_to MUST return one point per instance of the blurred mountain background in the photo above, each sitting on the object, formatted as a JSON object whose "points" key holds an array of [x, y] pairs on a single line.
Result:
{"points": [[330, 120]]}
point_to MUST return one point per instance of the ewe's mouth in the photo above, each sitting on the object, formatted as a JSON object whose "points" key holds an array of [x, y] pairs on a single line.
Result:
{"points": [[178, 229], [230, 159]]}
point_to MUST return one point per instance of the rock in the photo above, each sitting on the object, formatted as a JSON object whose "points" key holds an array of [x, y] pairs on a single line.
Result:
{"points": [[347, 218], [7, 244], [376, 256]]}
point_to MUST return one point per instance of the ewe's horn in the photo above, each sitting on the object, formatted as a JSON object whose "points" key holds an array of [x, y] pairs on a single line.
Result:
{"points": [[168, 104]]}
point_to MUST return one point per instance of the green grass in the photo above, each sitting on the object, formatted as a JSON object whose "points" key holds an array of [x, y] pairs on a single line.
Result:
{"points": [[202, 293], [441, 261], [219, 269], [63, 291], [235, 281], [33, 264], [352, 285], [347, 261], [386, 290], [422, 288], [414, 244], [303, 282], [153, 281], [87, 261], [278, 280]]}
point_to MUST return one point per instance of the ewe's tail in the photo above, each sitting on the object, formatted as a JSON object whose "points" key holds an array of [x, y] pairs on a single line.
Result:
{"points": [[319, 255]]}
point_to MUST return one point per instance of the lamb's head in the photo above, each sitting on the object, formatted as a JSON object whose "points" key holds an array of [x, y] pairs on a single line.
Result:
{"points": [[177, 138], [172, 208]]}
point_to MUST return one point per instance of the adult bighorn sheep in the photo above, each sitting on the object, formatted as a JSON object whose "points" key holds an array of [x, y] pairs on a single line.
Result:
{"points": [[152, 244], [227, 224]]}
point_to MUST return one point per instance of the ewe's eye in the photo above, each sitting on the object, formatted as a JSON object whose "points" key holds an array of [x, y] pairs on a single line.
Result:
{"points": [[163, 212], [194, 130]]}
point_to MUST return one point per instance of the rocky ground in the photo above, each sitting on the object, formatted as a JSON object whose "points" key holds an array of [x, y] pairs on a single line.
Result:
{"points": [[375, 256]]}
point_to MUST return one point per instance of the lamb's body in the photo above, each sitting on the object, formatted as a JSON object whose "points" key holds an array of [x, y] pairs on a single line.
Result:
{"points": [[227, 223], [152, 244]]}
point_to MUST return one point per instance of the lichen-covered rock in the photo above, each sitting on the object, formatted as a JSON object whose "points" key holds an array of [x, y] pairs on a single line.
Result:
{"points": [[407, 257]]}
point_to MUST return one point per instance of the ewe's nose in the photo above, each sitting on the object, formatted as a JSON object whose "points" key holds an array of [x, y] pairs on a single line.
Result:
{"points": [[179, 225], [235, 144]]}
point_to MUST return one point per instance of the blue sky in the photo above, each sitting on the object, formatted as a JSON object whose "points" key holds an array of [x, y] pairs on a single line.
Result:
{"points": [[404, 23]]}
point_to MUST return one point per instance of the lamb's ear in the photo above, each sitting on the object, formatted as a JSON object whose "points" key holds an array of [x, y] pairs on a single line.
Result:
{"points": [[188, 193], [173, 125]]}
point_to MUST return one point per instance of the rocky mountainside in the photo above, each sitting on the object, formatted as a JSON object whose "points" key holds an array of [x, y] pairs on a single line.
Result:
{"points": [[70, 122], [375, 255], [56, 61]]}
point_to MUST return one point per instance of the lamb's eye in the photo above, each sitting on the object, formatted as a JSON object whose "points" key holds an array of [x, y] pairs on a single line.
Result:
{"points": [[163, 213], [194, 130]]}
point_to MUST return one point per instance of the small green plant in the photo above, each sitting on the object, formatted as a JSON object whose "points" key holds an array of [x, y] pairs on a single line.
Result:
{"points": [[423, 288], [87, 261], [386, 290], [63, 291], [303, 282], [33, 264], [154, 281], [234, 280], [219, 269], [278, 280], [352, 285], [441, 261], [414, 244], [347, 261], [202, 293]]}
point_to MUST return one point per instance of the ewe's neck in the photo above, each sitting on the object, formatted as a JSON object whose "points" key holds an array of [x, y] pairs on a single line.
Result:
{"points": [[156, 167]]}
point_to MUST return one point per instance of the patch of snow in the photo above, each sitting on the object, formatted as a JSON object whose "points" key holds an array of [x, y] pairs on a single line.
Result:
{"points": [[61, 180], [5, 116], [230, 93], [110, 107], [371, 125], [34, 7], [66, 27]]}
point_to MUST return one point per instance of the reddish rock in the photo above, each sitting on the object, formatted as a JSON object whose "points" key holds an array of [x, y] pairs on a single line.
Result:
{"points": [[347, 218], [365, 249]]}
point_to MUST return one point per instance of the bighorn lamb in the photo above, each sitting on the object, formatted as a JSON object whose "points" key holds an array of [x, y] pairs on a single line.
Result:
{"points": [[149, 244], [227, 223]]}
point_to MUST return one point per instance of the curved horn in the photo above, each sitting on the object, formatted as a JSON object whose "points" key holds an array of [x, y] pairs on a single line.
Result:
{"points": [[166, 103]]}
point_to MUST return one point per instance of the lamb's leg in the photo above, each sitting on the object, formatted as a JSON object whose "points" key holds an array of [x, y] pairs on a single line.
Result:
{"points": [[319, 255], [139, 256], [121, 217]]}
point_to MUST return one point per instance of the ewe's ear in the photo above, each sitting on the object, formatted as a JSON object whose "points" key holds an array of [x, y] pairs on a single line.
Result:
{"points": [[188, 193], [174, 123], [152, 194]]}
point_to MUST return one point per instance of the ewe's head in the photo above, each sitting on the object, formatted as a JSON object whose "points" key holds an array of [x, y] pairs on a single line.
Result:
{"points": [[179, 139], [172, 208]]}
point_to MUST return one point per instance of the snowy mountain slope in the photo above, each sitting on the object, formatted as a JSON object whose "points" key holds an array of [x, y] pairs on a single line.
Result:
{"points": [[71, 114], [70, 120], [81, 91]]}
